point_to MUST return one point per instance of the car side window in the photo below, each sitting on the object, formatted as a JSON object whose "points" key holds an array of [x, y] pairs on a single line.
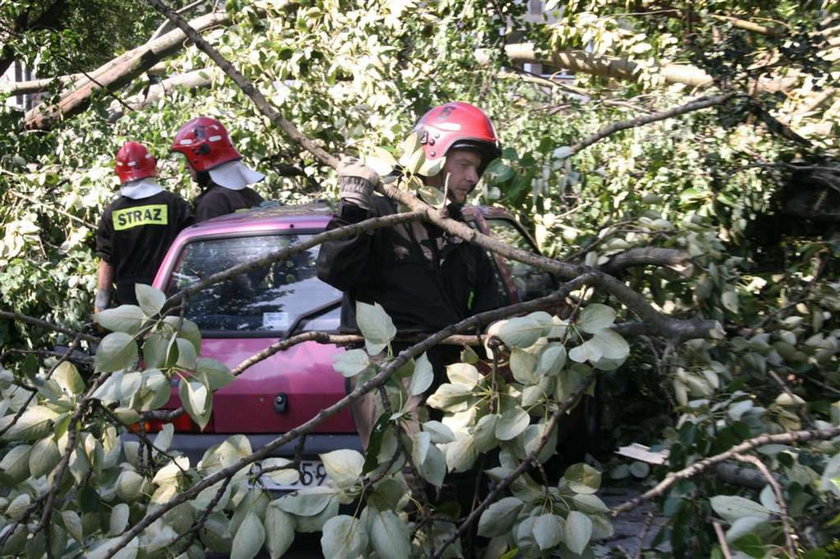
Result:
{"points": [[272, 298], [528, 281]]}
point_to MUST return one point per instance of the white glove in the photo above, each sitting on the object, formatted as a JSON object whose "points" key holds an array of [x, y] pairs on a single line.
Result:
{"points": [[356, 182]]}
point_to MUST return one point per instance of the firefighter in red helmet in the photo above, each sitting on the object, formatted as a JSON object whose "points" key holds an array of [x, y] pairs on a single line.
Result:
{"points": [[424, 278], [136, 228], [217, 167]]}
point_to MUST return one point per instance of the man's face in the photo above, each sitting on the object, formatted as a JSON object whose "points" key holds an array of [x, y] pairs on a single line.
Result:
{"points": [[462, 166]]}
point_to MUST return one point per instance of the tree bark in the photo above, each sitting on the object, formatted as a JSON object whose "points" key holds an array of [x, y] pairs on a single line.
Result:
{"points": [[115, 74], [623, 69]]}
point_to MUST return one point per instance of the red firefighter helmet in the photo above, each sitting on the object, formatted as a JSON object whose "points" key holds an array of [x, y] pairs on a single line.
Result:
{"points": [[206, 143], [134, 162], [458, 125]]}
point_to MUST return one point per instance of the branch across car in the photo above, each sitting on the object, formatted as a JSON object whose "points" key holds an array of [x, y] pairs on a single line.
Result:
{"points": [[244, 315]]}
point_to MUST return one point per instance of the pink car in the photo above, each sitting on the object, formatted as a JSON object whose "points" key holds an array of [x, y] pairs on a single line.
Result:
{"points": [[243, 316]]}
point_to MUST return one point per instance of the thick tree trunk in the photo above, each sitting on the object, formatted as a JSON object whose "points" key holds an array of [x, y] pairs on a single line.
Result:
{"points": [[116, 73]]}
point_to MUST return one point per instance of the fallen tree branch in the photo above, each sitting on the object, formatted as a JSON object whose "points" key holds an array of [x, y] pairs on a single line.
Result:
{"points": [[750, 444], [790, 535], [645, 256], [115, 74], [189, 80], [694, 105], [623, 69], [47, 325]]}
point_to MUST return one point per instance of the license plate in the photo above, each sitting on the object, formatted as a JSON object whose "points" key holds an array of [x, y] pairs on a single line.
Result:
{"points": [[312, 474]]}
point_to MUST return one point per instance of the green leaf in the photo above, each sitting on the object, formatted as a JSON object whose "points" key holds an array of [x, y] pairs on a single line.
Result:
{"points": [[610, 344], [548, 529], [589, 504], [376, 326], [389, 535], [279, 530], [128, 485], [733, 507], [249, 538], [156, 353], [745, 526], [484, 433], [68, 378], [439, 432], [351, 363], [433, 468], [306, 502], [214, 374], [125, 318], [116, 351], [43, 457], [460, 454], [343, 466], [523, 366], [186, 329], [73, 524], [163, 440], [595, 317], [195, 400], [33, 424], [512, 423], [729, 300], [520, 331], [463, 374], [151, 300], [186, 354], [343, 538], [155, 390], [552, 359], [119, 519], [422, 377], [17, 508], [381, 161], [499, 517], [583, 478], [578, 531], [15, 464], [450, 397], [587, 351]]}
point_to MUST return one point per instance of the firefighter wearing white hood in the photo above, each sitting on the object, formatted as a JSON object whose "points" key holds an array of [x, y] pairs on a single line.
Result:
{"points": [[217, 168]]}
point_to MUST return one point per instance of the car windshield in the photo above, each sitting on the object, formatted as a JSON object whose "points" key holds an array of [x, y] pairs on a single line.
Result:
{"points": [[273, 298]]}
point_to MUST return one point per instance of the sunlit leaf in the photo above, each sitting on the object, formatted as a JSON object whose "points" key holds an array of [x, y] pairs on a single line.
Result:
{"points": [[351, 363], [343, 466], [376, 326], [125, 318]]}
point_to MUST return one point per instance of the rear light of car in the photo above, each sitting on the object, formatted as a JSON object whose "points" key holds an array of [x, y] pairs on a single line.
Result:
{"points": [[182, 424]]}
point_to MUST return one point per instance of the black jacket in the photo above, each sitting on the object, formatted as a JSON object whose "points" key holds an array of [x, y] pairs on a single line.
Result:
{"points": [[134, 235], [424, 278], [217, 200]]}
